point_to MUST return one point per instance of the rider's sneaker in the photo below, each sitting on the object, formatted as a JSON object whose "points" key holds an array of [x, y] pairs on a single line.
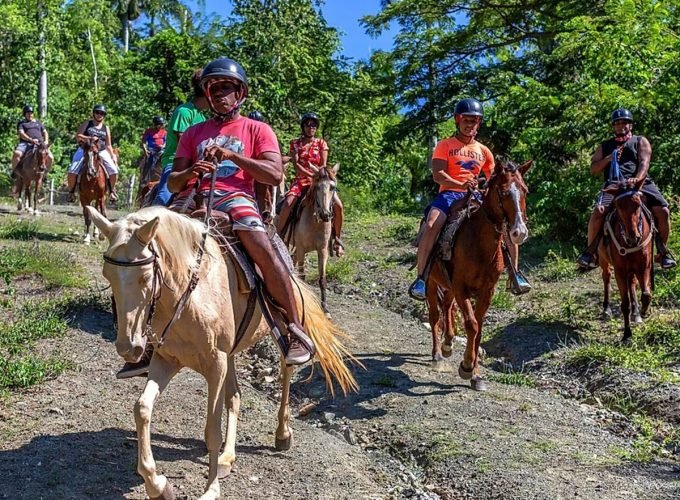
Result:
{"points": [[520, 285], [138, 369], [70, 197], [667, 261], [113, 197], [417, 290], [586, 261], [300, 348]]}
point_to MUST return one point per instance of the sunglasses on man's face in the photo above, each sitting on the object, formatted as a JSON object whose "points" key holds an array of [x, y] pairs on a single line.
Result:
{"points": [[99, 113], [311, 125], [224, 87]]}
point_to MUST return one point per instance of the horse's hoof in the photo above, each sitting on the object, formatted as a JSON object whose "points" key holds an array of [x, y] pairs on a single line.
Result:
{"points": [[637, 319], [606, 314], [283, 444], [478, 384], [437, 358], [447, 350], [101, 237], [223, 471], [627, 340], [463, 373], [168, 493]]}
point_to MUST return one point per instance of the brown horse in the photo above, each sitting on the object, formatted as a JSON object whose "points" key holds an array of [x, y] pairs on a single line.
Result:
{"points": [[151, 262], [31, 170], [476, 264], [627, 247], [92, 185], [313, 229], [150, 170]]}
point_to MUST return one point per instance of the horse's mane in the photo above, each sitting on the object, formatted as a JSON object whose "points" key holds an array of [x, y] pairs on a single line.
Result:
{"points": [[177, 240]]}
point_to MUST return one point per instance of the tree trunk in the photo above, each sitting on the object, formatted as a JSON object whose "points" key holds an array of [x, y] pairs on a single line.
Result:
{"points": [[94, 63], [42, 81], [126, 33]]}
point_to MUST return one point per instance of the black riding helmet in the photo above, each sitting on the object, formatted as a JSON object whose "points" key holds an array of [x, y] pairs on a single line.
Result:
{"points": [[99, 107], [469, 107], [158, 120], [225, 68], [622, 114], [256, 115], [28, 109], [309, 117]]}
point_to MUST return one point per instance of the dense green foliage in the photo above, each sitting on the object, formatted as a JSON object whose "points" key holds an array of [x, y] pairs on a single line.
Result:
{"points": [[549, 73]]}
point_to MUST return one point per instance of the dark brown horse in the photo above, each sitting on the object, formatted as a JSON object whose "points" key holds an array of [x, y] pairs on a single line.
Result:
{"points": [[32, 170], [476, 264], [92, 185], [627, 246]]}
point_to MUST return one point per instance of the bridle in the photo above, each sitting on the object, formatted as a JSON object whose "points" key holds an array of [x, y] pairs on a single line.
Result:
{"points": [[609, 231], [318, 208], [502, 226], [156, 289]]}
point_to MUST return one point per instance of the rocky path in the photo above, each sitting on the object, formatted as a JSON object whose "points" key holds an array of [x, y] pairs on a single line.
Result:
{"points": [[412, 430]]}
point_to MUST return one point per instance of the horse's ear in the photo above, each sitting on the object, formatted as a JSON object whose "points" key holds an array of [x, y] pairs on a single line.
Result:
{"points": [[146, 233], [498, 167], [524, 167], [100, 221], [335, 169]]}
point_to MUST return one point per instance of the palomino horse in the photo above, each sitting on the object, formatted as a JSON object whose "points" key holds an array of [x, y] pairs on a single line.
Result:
{"points": [[153, 258], [31, 170], [476, 264], [313, 229], [92, 185], [627, 246]]}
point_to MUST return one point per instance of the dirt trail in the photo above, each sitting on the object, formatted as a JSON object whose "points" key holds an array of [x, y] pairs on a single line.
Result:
{"points": [[418, 432]]}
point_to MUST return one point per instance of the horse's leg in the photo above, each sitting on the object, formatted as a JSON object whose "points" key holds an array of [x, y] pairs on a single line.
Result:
{"points": [[213, 426], [284, 434], [161, 372], [623, 282], [481, 306], [606, 279], [645, 280], [450, 324], [635, 305], [36, 193], [322, 254], [467, 366], [434, 316], [20, 193], [299, 259], [86, 216], [232, 402], [27, 196]]}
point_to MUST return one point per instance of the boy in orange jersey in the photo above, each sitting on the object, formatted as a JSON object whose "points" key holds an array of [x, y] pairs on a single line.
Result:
{"points": [[456, 164]]}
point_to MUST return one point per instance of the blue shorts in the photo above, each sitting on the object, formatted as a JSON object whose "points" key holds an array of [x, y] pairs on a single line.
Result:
{"points": [[444, 200], [163, 194]]}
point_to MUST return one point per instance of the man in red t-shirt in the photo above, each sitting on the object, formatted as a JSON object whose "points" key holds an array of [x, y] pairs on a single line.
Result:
{"points": [[153, 144], [239, 151]]}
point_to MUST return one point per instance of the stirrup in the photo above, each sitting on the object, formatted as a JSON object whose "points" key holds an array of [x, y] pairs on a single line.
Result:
{"points": [[113, 196]]}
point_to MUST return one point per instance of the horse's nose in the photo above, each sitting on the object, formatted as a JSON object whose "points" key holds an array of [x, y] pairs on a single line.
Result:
{"points": [[129, 351], [519, 234], [325, 215]]}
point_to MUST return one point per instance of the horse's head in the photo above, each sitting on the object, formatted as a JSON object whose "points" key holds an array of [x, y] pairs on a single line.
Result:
{"points": [[90, 156], [43, 154], [506, 198], [131, 267], [322, 190], [628, 205]]}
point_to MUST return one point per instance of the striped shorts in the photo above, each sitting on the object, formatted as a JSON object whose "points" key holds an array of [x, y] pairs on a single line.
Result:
{"points": [[241, 208]]}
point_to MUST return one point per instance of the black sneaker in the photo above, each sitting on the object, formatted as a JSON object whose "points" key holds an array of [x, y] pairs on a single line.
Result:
{"points": [[586, 261], [138, 369], [667, 261]]}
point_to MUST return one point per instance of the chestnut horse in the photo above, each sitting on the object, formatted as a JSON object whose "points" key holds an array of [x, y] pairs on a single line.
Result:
{"points": [[92, 184], [627, 246], [476, 264], [312, 231], [153, 260], [31, 170]]}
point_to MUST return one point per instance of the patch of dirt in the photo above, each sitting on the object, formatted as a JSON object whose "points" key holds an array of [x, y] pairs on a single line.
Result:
{"points": [[413, 430]]}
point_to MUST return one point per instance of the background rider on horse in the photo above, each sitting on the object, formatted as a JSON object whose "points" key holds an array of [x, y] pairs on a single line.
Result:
{"points": [[239, 151], [31, 133], [309, 154], [626, 157], [95, 127], [153, 145], [456, 164]]}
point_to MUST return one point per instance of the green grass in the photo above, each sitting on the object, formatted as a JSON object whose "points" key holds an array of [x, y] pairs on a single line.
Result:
{"points": [[557, 268], [654, 439], [54, 265], [20, 366], [442, 447], [502, 300], [16, 229], [511, 376]]}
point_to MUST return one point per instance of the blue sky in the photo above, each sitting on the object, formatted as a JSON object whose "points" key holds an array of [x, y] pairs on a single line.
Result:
{"points": [[341, 14]]}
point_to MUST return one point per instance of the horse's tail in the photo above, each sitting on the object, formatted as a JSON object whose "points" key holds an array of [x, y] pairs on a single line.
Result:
{"points": [[331, 352]]}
